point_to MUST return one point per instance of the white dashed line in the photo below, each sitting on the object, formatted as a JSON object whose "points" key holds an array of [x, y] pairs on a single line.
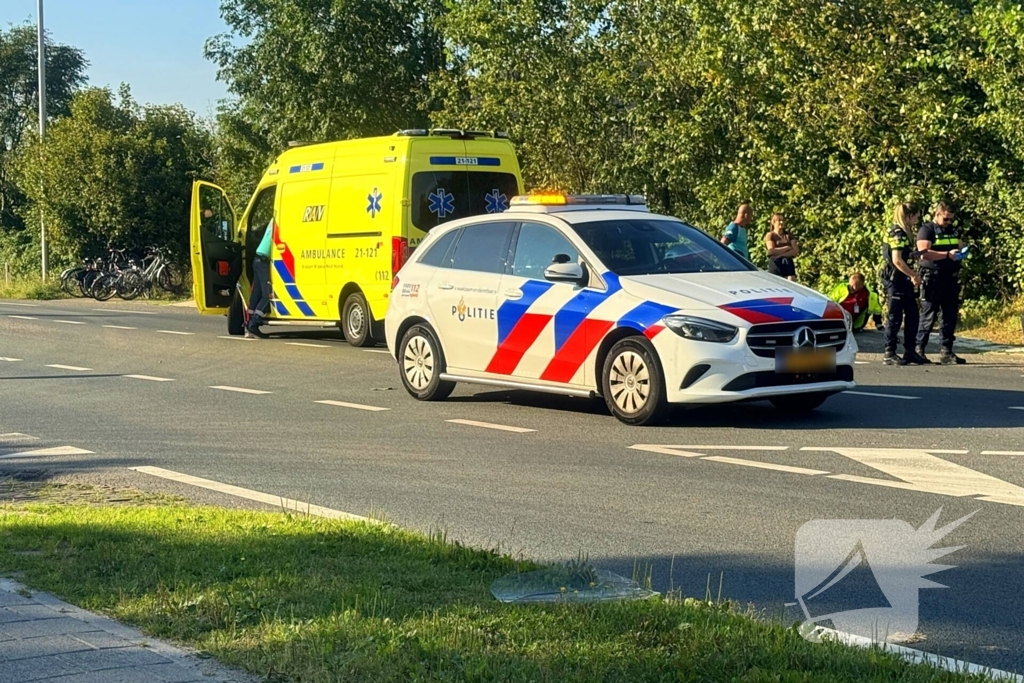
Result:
{"points": [[377, 351], [1016, 407], [15, 437], [356, 406], [248, 494], [70, 367], [22, 317], [9, 360], [175, 332], [151, 379], [861, 362], [238, 338], [59, 450], [763, 465], [488, 425], [69, 322], [312, 346], [1013, 453], [887, 483], [241, 390], [732, 448], [121, 310], [119, 327], [874, 395], [7, 303]]}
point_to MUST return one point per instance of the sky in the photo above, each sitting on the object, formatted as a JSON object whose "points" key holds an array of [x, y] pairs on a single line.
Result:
{"points": [[156, 46]]}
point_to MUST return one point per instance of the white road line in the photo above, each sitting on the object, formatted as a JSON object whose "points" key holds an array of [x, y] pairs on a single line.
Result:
{"points": [[68, 322], [861, 362], [23, 317], [151, 379], [377, 351], [119, 327], [763, 465], [121, 310], [1013, 453], [732, 448], [43, 452], [249, 494], [175, 332], [9, 360], [1017, 407], [312, 346], [15, 437], [70, 367], [488, 425], [888, 483], [241, 390], [695, 451], [239, 338], [874, 395], [8, 303], [356, 406]]}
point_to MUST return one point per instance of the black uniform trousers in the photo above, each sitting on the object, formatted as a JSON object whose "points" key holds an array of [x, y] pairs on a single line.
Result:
{"points": [[260, 297], [941, 293], [901, 311]]}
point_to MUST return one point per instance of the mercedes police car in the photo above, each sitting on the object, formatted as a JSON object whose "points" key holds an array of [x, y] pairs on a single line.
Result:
{"points": [[595, 296]]}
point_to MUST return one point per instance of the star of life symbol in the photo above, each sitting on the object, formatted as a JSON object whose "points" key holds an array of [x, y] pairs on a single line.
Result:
{"points": [[863, 575], [441, 203], [374, 199], [496, 202]]}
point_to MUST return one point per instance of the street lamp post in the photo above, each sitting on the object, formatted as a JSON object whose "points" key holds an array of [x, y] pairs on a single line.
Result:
{"points": [[42, 121]]}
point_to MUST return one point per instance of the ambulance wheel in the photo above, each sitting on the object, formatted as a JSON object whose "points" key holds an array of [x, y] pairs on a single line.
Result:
{"points": [[799, 403], [633, 384], [236, 316], [421, 362], [356, 321]]}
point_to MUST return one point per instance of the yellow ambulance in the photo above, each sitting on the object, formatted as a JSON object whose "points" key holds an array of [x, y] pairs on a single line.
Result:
{"points": [[345, 215]]}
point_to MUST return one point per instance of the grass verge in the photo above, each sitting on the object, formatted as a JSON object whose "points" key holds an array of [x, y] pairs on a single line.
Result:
{"points": [[305, 599], [31, 288], [992, 321]]}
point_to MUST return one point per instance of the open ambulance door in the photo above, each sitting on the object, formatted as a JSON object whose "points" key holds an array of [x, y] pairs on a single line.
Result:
{"points": [[216, 252]]}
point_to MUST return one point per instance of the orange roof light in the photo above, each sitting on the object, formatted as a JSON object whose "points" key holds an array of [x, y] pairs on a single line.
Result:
{"points": [[541, 199], [562, 199]]}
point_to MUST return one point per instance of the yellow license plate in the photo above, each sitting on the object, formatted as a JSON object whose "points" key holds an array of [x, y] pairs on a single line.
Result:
{"points": [[803, 362]]}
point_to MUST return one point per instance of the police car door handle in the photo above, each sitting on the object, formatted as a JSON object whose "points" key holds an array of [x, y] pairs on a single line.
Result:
{"points": [[446, 285], [513, 294]]}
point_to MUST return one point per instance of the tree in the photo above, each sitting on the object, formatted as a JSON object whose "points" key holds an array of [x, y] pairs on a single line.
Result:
{"points": [[116, 174]]}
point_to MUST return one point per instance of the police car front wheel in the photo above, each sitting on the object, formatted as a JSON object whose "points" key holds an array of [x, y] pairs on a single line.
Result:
{"points": [[422, 363], [633, 383]]}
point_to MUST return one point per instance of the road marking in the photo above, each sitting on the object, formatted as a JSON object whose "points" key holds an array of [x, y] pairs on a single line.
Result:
{"points": [[240, 390], [119, 327], [926, 473], [377, 351], [488, 425], [312, 346], [691, 451], [249, 494], [151, 379], [239, 338], [9, 360], [861, 362], [23, 317], [8, 303], [121, 310], [70, 367], [175, 332], [11, 438], [357, 406], [874, 395], [1017, 407], [763, 465], [888, 483], [43, 452], [1013, 453], [68, 322]]}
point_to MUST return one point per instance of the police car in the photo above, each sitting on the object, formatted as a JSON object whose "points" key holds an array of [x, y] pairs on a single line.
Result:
{"points": [[588, 295]]}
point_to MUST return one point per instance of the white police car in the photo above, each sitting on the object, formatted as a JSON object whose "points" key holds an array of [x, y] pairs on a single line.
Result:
{"points": [[593, 295]]}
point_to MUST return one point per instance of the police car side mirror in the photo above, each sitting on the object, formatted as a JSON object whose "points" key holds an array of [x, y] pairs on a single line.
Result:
{"points": [[564, 272]]}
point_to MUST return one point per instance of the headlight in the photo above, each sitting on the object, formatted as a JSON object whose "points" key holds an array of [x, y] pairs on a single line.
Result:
{"points": [[700, 329]]}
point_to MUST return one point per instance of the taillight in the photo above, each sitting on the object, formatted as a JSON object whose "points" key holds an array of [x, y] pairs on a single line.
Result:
{"points": [[399, 254]]}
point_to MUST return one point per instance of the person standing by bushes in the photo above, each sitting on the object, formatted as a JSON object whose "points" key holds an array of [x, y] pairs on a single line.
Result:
{"points": [[735, 236], [782, 248], [941, 251], [900, 282]]}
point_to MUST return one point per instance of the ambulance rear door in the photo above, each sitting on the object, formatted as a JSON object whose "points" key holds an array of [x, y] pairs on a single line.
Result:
{"points": [[216, 251]]}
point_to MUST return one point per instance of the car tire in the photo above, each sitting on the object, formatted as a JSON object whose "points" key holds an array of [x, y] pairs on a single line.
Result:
{"points": [[421, 363], [799, 403], [236, 316], [356, 321], [633, 383]]}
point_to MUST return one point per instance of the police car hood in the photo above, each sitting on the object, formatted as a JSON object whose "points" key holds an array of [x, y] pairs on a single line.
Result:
{"points": [[753, 296]]}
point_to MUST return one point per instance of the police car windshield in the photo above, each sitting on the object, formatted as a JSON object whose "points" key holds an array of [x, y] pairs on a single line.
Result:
{"points": [[645, 246]]}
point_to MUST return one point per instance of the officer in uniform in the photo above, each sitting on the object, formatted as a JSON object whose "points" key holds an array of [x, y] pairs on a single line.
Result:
{"points": [[940, 249], [900, 282]]}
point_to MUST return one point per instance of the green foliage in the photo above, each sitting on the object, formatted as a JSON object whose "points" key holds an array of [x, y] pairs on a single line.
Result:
{"points": [[114, 173], [31, 288]]}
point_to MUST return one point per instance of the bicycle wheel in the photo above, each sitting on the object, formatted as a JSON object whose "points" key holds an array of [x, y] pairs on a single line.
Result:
{"points": [[69, 281], [168, 278], [104, 287], [130, 285]]}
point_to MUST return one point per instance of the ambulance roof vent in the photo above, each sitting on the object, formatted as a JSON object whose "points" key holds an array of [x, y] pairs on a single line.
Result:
{"points": [[299, 143], [413, 133], [501, 134]]}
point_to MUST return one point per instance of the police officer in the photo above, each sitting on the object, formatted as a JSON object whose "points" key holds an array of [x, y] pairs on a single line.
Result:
{"points": [[900, 282], [940, 249]]}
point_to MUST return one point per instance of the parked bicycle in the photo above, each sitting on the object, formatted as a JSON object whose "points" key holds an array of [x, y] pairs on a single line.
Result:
{"points": [[122, 275]]}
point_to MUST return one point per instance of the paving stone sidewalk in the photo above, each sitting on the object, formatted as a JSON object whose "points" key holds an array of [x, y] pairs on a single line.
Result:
{"points": [[45, 639]]}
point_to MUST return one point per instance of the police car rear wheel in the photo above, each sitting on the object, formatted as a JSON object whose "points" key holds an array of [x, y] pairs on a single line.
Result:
{"points": [[422, 363], [633, 384], [356, 321], [799, 403]]}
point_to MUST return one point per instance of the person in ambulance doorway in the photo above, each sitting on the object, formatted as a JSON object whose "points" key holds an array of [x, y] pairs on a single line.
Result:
{"points": [[901, 282], [260, 297], [941, 251]]}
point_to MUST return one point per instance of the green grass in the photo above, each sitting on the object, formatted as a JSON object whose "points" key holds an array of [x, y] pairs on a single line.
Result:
{"points": [[305, 599], [993, 321], [30, 288]]}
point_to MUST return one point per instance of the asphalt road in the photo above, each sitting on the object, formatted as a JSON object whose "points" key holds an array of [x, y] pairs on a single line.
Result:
{"points": [[718, 492]]}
